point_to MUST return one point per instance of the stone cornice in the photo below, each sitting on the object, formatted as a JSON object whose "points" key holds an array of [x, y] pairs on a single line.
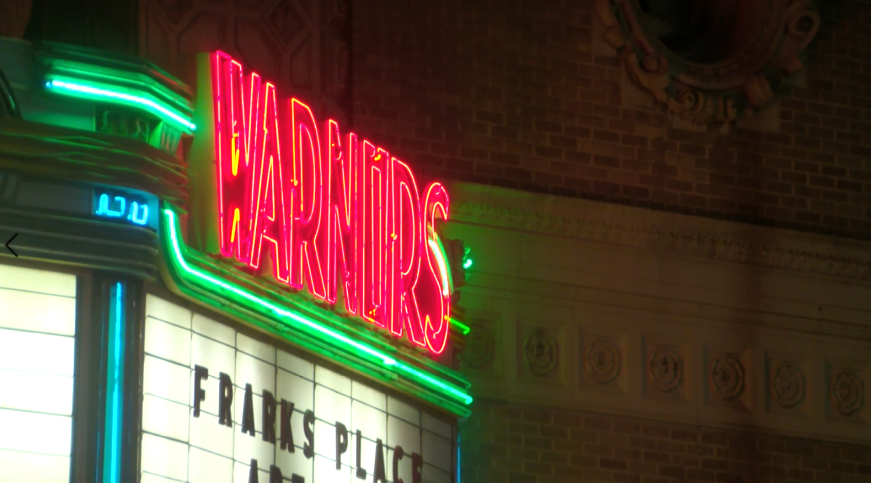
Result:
{"points": [[668, 233]]}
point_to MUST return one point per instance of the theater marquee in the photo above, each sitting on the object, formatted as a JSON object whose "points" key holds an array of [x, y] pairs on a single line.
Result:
{"points": [[220, 406], [328, 242]]}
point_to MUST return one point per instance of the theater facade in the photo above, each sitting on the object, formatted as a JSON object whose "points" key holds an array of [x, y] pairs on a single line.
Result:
{"points": [[215, 287]]}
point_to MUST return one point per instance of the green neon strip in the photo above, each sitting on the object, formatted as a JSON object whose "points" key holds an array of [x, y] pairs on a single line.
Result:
{"points": [[463, 327], [81, 90], [390, 363], [84, 73]]}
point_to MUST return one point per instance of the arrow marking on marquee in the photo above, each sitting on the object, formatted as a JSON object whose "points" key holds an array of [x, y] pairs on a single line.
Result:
{"points": [[10, 241]]}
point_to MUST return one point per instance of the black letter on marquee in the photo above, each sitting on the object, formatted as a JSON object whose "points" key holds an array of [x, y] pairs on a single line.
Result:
{"points": [[341, 443], [248, 412], [286, 432], [268, 417], [416, 467], [200, 373], [398, 453], [379, 474], [253, 477], [275, 475], [308, 427], [361, 473], [225, 415], [295, 478]]}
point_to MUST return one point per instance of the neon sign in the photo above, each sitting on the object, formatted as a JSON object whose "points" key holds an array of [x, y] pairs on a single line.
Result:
{"points": [[124, 206], [327, 213]]}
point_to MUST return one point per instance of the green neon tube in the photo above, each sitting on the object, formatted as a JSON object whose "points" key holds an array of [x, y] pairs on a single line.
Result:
{"points": [[390, 363], [82, 73], [463, 327], [81, 90]]}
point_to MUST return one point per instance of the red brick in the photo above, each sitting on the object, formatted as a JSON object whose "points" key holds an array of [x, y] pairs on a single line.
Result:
{"points": [[479, 90]]}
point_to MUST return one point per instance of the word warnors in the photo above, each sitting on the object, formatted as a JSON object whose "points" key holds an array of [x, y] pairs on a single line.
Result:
{"points": [[331, 214]]}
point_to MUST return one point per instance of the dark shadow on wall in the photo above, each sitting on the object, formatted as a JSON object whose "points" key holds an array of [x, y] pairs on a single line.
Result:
{"points": [[110, 25]]}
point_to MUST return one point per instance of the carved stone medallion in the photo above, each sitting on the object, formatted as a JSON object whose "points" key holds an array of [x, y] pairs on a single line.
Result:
{"points": [[727, 377], [847, 393], [602, 361], [541, 353], [665, 369], [480, 347], [709, 61], [787, 385]]}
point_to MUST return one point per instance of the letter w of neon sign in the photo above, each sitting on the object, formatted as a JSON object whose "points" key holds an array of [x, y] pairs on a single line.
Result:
{"points": [[330, 214]]}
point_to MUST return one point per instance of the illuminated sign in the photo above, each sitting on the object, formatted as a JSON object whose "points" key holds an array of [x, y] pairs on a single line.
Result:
{"points": [[124, 205], [220, 406], [331, 214], [37, 356]]}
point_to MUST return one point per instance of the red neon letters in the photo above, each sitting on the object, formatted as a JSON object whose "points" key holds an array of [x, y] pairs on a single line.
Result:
{"points": [[331, 215]]}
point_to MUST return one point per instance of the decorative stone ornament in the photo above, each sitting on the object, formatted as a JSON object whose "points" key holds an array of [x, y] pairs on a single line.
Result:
{"points": [[727, 377], [664, 369], [541, 353], [847, 393], [480, 347], [787, 385], [710, 61], [602, 361]]}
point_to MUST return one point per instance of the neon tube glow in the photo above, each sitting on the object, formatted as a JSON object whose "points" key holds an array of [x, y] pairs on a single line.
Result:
{"points": [[81, 90], [114, 382], [210, 282], [463, 327]]}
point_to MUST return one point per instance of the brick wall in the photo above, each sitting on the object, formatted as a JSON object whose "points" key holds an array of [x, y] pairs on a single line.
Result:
{"points": [[510, 93], [522, 444]]}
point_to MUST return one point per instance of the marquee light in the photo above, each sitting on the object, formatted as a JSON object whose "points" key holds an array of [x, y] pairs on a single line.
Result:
{"points": [[303, 205], [116, 95], [299, 321], [465, 329], [114, 386]]}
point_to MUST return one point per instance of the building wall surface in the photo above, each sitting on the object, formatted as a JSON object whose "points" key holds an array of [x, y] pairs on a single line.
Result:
{"points": [[522, 94], [525, 95], [617, 343], [527, 444]]}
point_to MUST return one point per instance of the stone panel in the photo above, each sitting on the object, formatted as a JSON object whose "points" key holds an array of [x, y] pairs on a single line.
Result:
{"points": [[708, 325]]}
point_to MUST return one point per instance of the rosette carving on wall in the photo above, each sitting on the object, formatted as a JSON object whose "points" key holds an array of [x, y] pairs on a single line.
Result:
{"points": [[602, 361], [847, 392], [727, 377], [480, 347], [710, 61], [787, 385], [541, 353], [664, 369]]}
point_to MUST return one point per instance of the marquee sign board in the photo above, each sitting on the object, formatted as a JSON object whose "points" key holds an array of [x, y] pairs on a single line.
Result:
{"points": [[330, 214], [219, 406]]}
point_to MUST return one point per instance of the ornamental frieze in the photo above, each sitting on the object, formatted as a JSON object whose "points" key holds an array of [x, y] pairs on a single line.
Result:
{"points": [[787, 385], [686, 54], [541, 353], [602, 361], [816, 258], [847, 392], [727, 377], [664, 369]]}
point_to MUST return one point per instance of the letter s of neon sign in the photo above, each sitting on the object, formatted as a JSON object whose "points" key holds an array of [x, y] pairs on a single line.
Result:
{"points": [[333, 213]]}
